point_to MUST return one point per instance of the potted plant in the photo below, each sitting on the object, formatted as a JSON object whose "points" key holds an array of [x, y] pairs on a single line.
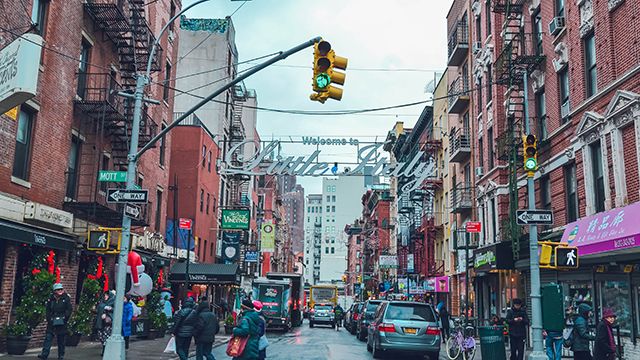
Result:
{"points": [[228, 325], [81, 320], [17, 338], [158, 322]]}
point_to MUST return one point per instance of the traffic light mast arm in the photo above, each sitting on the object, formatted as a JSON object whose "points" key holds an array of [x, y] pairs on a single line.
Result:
{"points": [[281, 56]]}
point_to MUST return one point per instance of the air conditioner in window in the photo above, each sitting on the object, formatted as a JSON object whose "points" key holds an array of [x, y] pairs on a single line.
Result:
{"points": [[477, 46], [479, 171], [556, 25], [565, 110]]}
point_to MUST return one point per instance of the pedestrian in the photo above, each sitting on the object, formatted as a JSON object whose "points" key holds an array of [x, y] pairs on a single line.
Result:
{"points": [[58, 310], [185, 321], [518, 321], [553, 344], [249, 326], [205, 330], [581, 334], [605, 345], [127, 316], [103, 318], [444, 318], [339, 314], [263, 343]]}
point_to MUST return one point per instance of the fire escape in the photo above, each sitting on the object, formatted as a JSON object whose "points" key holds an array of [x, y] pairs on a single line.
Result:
{"points": [[106, 118], [518, 58], [238, 184]]}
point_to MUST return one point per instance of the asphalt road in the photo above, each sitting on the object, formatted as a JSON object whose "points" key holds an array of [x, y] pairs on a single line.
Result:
{"points": [[319, 343]]}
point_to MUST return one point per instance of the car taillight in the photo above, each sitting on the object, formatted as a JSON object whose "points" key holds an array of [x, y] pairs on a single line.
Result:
{"points": [[433, 331], [386, 328], [312, 311]]}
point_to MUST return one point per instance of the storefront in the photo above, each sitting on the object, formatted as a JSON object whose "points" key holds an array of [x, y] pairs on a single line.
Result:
{"points": [[217, 282], [495, 281]]}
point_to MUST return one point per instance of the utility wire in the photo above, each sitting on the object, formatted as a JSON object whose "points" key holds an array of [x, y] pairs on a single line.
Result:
{"points": [[362, 69], [223, 67]]}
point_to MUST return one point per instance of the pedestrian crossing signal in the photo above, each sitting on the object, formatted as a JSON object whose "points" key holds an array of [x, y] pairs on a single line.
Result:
{"points": [[99, 240], [567, 257]]}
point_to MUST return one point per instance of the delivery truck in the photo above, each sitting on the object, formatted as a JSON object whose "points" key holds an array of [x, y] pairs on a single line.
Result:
{"points": [[296, 305], [275, 296]]}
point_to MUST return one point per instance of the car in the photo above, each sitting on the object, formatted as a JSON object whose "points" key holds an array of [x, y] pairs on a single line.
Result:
{"points": [[405, 326], [351, 317], [322, 314], [366, 315]]}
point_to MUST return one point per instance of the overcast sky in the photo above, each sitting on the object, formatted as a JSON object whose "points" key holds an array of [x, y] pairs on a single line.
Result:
{"points": [[381, 39]]}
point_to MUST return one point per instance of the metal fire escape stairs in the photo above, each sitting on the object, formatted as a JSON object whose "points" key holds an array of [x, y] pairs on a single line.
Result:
{"points": [[238, 183], [517, 58]]}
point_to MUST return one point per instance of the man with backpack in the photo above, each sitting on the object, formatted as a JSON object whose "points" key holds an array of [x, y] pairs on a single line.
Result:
{"points": [[185, 321]]}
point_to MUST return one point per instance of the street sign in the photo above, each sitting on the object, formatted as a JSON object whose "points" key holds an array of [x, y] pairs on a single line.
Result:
{"points": [[184, 224], [534, 217], [132, 211], [473, 226], [567, 257], [98, 240], [127, 196], [113, 176]]}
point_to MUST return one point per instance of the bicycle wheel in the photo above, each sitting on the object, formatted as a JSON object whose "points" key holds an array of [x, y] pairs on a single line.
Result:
{"points": [[453, 348], [469, 349]]}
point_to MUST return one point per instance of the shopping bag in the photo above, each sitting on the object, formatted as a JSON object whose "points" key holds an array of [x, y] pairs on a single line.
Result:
{"points": [[236, 346], [171, 346], [263, 343]]}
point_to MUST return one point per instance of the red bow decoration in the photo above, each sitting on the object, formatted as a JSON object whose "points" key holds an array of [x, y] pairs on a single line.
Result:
{"points": [[106, 283], [57, 274], [51, 262], [35, 271], [160, 277], [99, 270]]}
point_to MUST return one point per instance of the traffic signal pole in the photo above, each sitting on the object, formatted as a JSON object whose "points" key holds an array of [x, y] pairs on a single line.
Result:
{"points": [[534, 267]]}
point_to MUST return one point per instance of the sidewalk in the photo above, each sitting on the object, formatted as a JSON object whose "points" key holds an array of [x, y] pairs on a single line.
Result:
{"points": [[138, 349]]}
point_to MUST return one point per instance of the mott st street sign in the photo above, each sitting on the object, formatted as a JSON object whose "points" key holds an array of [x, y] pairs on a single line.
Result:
{"points": [[534, 217], [127, 196], [113, 176]]}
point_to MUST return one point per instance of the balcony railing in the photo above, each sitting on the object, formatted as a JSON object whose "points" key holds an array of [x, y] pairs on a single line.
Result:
{"points": [[191, 120], [97, 96], [458, 43], [461, 198], [459, 145], [463, 240], [459, 95]]}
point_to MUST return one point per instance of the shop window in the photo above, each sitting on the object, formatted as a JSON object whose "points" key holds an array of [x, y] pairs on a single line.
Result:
{"points": [[576, 293], [616, 296]]}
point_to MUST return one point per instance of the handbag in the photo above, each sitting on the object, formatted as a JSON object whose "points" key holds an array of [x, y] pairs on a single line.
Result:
{"points": [[236, 346], [58, 321], [567, 337], [171, 346]]}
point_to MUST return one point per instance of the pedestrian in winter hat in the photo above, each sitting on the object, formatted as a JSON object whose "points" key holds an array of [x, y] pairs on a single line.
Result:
{"points": [[605, 345], [257, 305]]}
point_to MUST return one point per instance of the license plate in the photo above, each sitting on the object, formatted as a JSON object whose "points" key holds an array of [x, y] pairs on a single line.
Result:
{"points": [[410, 331]]}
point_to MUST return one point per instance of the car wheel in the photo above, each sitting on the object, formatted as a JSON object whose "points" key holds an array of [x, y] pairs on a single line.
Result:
{"points": [[433, 355]]}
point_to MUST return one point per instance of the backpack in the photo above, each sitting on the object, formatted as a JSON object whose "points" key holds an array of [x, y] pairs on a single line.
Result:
{"points": [[567, 337]]}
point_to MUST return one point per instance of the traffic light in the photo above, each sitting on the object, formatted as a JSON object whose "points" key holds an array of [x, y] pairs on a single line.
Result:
{"points": [[360, 279], [530, 144], [344, 278], [325, 63], [545, 254], [567, 257]]}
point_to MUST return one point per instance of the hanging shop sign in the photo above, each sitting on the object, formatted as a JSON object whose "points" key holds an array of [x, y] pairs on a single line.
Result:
{"points": [[388, 262], [611, 230], [415, 170], [235, 219], [19, 69], [495, 256], [251, 256], [231, 246], [410, 263], [150, 241], [267, 237], [46, 214]]}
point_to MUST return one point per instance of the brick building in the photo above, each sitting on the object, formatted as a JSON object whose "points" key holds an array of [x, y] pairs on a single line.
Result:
{"points": [[77, 125]]}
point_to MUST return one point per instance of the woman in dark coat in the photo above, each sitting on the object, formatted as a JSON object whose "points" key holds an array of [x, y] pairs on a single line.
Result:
{"points": [[205, 331], [605, 345]]}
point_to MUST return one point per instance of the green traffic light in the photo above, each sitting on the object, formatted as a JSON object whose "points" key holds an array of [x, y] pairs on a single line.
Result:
{"points": [[530, 164], [323, 80]]}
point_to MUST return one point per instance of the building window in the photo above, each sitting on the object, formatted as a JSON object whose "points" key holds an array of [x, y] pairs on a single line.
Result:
{"points": [[201, 200], [328, 208], [72, 168], [598, 175], [158, 208], [209, 162], [537, 32], [163, 146], [140, 180], [22, 156], [488, 17], [479, 91], [358, 268], [83, 68], [591, 75], [333, 208], [333, 198], [204, 155], [480, 153], [490, 148], [208, 202], [167, 81], [478, 29], [545, 193], [333, 250], [39, 15], [326, 250], [541, 114], [172, 13], [559, 7], [104, 165], [563, 82], [570, 189], [328, 198]]}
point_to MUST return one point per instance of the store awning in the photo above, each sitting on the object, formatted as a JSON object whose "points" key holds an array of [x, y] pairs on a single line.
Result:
{"points": [[206, 273], [34, 235]]}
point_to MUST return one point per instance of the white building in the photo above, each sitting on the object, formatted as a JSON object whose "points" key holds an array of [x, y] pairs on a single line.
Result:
{"points": [[313, 221]]}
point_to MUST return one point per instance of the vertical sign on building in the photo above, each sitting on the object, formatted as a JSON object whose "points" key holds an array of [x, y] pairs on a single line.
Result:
{"points": [[410, 263], [267, 237], [231, 246]]}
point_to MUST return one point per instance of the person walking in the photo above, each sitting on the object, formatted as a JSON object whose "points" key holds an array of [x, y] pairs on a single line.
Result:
{"points": [[518, 321], [339, 313], [127, 316], [249, 326], [185, 321], [444, 318], [58, 311], [263, 342], [205, 330], [605, 345], [104, 318], [581, 334]]}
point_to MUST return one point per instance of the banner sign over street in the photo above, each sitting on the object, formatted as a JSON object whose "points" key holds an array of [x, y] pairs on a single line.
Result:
{"points": [[268, 237]]}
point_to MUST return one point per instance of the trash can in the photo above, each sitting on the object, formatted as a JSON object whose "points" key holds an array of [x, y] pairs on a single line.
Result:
{"points": [[492, 342]]}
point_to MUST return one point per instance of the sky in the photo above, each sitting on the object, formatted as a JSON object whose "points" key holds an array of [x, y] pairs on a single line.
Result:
{"points": [[394, 49]]}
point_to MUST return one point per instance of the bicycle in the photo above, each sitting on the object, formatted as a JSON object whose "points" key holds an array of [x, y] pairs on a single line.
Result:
{"points": [[461, 342]]}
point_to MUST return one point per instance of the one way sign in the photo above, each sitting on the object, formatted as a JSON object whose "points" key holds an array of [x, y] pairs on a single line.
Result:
{"points": [[534, 217], [127, 196]]}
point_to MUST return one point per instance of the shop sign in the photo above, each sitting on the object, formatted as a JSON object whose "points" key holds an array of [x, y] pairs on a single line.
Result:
{"points": [[430, 284], [606, 231], [495, 256], [150, 241], [19, 69], [251, 256], [484, 259], [442, 284], [267, 237], [47, 214], [235, 219], [231, 246], [388, 262]]}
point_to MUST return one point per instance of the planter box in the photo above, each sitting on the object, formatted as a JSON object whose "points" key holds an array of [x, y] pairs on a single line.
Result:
{"points": [[17, 345], [73, 339]]}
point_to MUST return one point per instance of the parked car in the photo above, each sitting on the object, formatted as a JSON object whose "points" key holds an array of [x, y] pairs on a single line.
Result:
{"points": [[405, 326], [365, 318], [322, 314], [351, 317]]}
